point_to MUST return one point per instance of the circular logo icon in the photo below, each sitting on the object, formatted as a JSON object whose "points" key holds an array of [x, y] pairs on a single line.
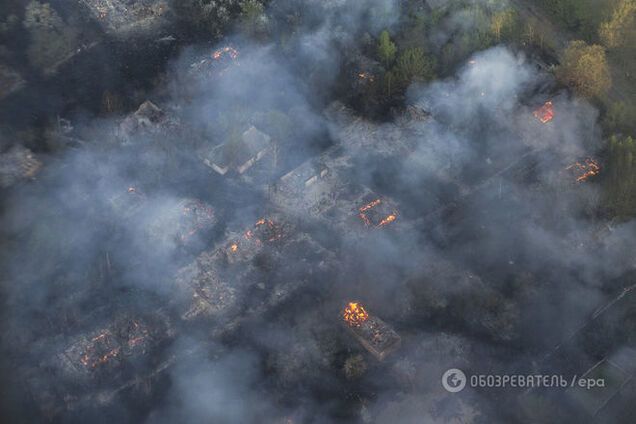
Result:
{"points": [[454, 380]]}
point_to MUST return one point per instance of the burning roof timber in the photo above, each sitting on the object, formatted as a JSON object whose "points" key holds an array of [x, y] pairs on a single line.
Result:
{"points": [[371, 332], [17, 163], [320, 189], [109, 347], [264, 256], [125, 17], [214, 63], [584, 169], [545, 113], [104, 359], [240, 155], [147, 120]]}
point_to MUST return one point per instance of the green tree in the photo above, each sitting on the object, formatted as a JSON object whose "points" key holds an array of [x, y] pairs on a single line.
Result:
{"points": [[503, 24], [584, 68], [413, 65], [619, 30], [386, 49], [389, 82], [620, 178], [253, 20], [620, 118]]}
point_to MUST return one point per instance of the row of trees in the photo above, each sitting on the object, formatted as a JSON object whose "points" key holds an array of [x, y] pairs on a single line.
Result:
{"points": [[620, 178], [403, 67]]}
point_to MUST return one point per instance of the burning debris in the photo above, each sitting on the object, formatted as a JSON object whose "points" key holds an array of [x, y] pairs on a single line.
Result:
{"points": [[377, 213], [366, 76], [373, 334], [265, 231], [582, 171], [225, 53], [354, 314], [109, 346], [18, 163], [216, 63], [100, 350], [545, 113]]}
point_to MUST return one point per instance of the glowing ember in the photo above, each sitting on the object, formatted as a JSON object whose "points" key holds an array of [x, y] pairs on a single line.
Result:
{"points": [[354, 314], [101, 349], [366, 76], [265, 230], [585, 170], [225, 52], [545, 113], [372, 216], [387, 220], [234, 247], [370, 205], [137, 334]]}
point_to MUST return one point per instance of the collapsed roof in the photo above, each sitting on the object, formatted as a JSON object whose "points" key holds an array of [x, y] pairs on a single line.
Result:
{"points": [[238, 155], [147, 120]]}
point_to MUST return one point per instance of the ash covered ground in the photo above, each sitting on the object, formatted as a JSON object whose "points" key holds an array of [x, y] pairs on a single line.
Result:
{"points": [[190, 217]]}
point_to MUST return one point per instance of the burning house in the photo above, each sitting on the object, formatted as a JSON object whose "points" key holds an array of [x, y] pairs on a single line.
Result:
{"points": [[266, 231], [16, 164], [238, 156], [127, 17], [263, 260], [319, 188], [545, 113], [371, 332], [377, 212], [108, 358]]}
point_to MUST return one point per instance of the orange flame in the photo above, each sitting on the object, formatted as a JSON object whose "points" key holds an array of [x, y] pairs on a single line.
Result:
{"points": [[87, 358], [387, 220], [354, 314], [585, 170], [545, 113], [366, 76], [231, 52], [234, 247]]}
